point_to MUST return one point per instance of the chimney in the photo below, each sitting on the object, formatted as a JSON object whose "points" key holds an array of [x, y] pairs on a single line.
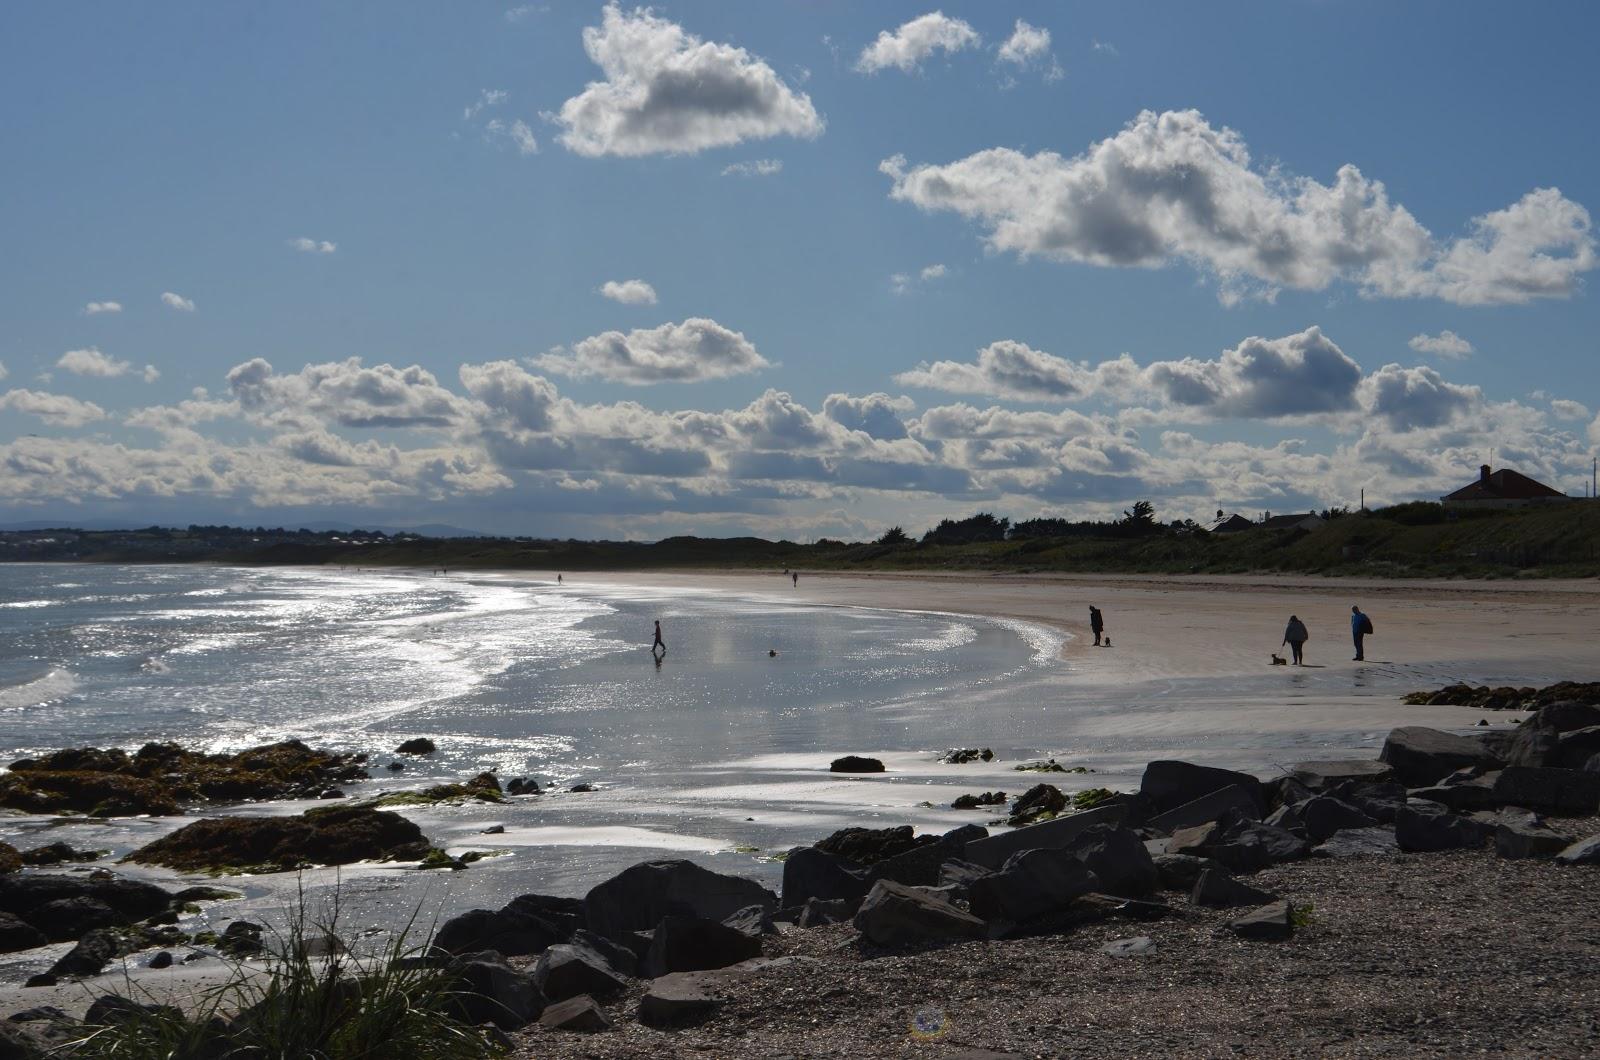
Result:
{"points": [[1483, 473]]}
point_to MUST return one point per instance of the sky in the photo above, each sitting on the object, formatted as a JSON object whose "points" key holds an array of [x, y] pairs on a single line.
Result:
{"points": [[795, 269]]}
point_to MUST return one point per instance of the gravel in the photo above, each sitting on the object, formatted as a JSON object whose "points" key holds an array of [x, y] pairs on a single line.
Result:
{"points": [[1404, 955]]}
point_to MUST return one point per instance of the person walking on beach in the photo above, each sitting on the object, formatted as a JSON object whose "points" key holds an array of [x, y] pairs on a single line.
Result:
{"points": [[1360, 627], [558, 579], [1296, 636], [659, 648], [1097, 624], [796, 577]]}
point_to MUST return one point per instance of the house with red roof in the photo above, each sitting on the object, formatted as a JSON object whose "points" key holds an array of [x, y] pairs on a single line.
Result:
{"points": [[1502, 489]]}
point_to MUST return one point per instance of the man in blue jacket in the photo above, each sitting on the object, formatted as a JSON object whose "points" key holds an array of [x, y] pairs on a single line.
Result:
{"points": [[1360, 626]]}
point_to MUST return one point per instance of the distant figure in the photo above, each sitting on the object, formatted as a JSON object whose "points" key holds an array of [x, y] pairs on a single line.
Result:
{"points": [[796, 577], [558, 579], [1296, 635], [659, 648], [1360, 627], [772, 653], [1097, 624]]}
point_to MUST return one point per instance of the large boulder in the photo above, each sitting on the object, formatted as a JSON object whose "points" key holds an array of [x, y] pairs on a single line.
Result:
{"points": [[1426, 826], [526, 925], [1358, 842], [417, 745], [637, 898], [1526, 836], [567, 970], [492, 991], [855, 764], [1118, 857], [575, 1014], [676, 1000], [1217, 889], [992, 852], [66, 919], [90, 956], [1041, 800], [31, 898], [1178, 872], [330, 835], [1422, 756], [17, 934], [810, 873], [1321, 776], [1549, 789], [1169, 784], [1209, 807], [1325, 815], [695, 944], [896, 915], [1031, 884], [1379, 800], [1583, 852], [868, 846]]}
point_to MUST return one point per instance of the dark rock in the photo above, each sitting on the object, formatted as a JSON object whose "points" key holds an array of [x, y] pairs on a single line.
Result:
{"points": [[419, 745], [1216, 888], [1321, 776], [676, 1000], [1288, 818], [1465, 796], [1325, 815], [491, 991], [110, 1010], [567, 970], [855, 764], [581, 789], [90, 956], [242, 938], [1379, 801], [1038, 801], [132, 900], [17, 934], [637, 898], [868, 846], [205, 894], [1525, 836], [1209, 807], [494, 829], [395, 767], [1583, 852], [1096, 905], [917, 867], [992, 852], [956, 840], [38, 1014], [41, 979], [896, 915], [810, 873], [161, 960], [1118, 857], [1269, 923], [1137, 946], [1031, 884], [575, 1014], [621, 958], [1356, 842], [1178, 872], [1549, 789], [513, 931], [56, 853], [330, 835], [1427, 826], [973, 802], [819, 911], [1167, 784], [1423, 756], [66, 919], [754, 921], [694, 944], [963, 755], [522, 786], [960, 876], [1240, 844]]}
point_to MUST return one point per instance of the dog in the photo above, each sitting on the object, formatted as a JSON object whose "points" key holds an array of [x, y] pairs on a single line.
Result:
{"points": [[1106, 643], [1278, 660]]}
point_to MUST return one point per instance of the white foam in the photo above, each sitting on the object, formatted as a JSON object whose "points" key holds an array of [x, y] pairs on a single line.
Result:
{"points": [[41, 690]]}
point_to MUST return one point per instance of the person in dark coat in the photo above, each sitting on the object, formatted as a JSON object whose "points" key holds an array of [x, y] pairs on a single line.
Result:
{"points": [[1296, 636], [1360, 627], [660, 645], [1097, 623]]}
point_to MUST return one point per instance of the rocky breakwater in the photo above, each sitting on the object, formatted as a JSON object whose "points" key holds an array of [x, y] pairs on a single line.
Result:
{"points": [[160, 779]]}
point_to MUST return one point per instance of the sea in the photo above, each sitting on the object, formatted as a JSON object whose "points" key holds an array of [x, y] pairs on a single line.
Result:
{"points": [[716, 751]]}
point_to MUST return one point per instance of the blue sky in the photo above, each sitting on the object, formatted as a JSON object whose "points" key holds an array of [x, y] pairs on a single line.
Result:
{"points": [[1138, 211]]}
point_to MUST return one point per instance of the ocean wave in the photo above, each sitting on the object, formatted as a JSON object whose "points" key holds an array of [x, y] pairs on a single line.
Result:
{"points": [[31, 603], [52, 686]]}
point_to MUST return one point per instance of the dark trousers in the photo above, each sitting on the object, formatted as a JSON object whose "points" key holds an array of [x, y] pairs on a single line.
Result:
{"points": [[1097, 631], [1360, 651], [1296, 647]]}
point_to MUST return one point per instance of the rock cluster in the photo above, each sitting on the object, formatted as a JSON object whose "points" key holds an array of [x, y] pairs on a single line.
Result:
{"points": [[161, 778], [1506, 697], [331, 835]]}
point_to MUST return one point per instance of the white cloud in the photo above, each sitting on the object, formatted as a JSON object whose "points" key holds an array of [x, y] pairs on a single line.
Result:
{"points": [[488, 97], [522, 11], [313, 246], [1415, 398], [96, 308], [516, 131], [905, 283], [1108, 49], [177, 301], [1026, 45], [58, 410], [759, 167], [1567, 409], [629, 292], [695, 350], [1446, 344], [668, 92], [346, 393], [1171, 187], [1006, 369], [933, 272], [150, 373], [3, 372], [907, 47], [877, 415], [91, 362]]}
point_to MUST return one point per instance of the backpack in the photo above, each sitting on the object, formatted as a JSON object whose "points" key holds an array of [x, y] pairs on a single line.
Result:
{"points": [[1366, 625]]}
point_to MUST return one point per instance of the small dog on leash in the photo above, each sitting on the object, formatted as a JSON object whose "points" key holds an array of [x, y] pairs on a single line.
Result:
{"points": [[1278, 660]]}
